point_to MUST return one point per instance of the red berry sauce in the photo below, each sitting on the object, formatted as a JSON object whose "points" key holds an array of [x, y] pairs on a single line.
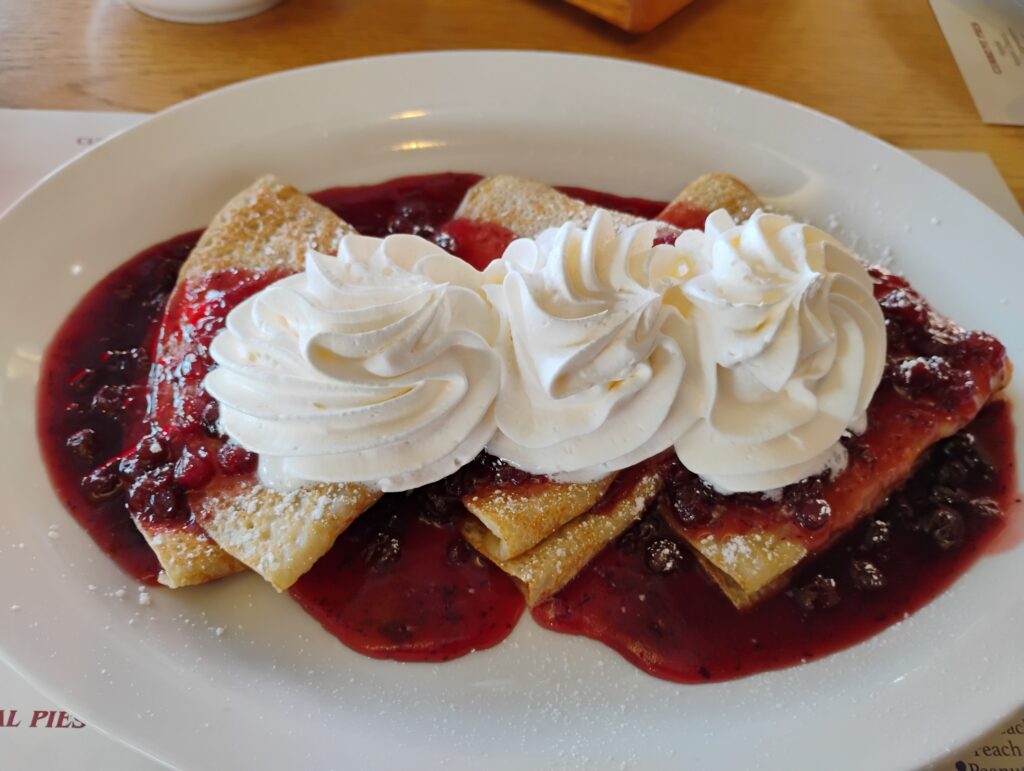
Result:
{"points": [[92, 397], [679, 626], [667, 617], [401, 583], [182, 417]]}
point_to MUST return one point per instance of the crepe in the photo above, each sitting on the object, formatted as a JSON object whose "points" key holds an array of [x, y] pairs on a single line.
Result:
{"points": [[187, 555], [708, 193], [540, 532], [532, 533], [555, 561], [526, 207], [756, 564], [237, 522], [752, 565], [747, 567], [515, 519]]}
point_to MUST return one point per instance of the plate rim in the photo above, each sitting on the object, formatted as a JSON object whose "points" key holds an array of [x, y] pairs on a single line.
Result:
{"points": [[370, 61]]}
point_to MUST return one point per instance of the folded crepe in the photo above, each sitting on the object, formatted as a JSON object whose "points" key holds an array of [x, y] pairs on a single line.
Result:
{"points": [[754, 564], [540, 532], [553, 562], [511, 520], [264, 231], [525, 207]]}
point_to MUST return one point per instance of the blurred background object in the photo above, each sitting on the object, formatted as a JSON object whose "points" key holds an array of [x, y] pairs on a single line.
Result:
{"points": [[987, 41], [632, 15], [202, 11]]}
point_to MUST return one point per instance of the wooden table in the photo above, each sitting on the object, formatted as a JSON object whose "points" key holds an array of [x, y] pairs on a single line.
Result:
{"points": [[881, 65]]}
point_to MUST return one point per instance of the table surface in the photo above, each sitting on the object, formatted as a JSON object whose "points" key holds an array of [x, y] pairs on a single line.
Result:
{"points": [[880, 65]]}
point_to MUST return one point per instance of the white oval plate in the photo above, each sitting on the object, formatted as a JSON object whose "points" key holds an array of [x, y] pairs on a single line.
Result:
{"points": [[273, 690]]}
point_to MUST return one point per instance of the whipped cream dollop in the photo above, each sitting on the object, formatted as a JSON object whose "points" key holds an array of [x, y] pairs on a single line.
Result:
{"points": [[596, 367], [375, 366], [792, 348]]}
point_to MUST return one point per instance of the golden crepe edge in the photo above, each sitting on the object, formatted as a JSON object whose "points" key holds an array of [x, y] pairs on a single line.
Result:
{"points": [[544, 534], [267, 226], [753, 566]]}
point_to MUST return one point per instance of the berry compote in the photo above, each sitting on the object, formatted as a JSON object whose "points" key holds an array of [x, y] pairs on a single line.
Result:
{"points": [[124, 436]]}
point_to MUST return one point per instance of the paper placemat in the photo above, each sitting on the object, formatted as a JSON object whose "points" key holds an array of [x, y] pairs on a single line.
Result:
{"points": [[987, 41], [38, 734]]}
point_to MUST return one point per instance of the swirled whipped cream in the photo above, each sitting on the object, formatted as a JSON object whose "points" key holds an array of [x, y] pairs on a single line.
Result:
{"points": [[376, 366], [792, 347], [596, 367]]}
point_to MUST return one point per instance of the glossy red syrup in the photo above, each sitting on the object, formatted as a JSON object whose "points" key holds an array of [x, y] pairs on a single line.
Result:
{"points": [[79, 429], [400, 583], [419, 204], [181, 450], [666, 616], [638, 207]]}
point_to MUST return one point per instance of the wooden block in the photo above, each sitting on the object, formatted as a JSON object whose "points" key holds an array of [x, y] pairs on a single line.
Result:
{"points": [[632, 15]]}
